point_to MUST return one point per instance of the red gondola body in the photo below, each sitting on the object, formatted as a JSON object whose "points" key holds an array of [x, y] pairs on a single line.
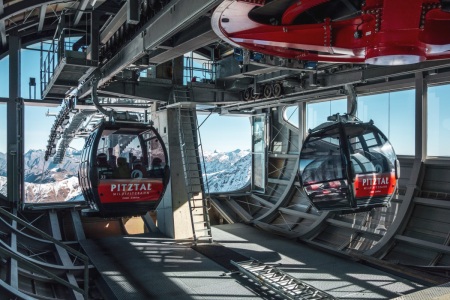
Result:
{"points": [[384, 32], [123, 170]]}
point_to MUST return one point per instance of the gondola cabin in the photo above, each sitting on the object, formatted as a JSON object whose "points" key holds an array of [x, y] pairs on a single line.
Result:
{"points": [[348, 166], [123, 169]]}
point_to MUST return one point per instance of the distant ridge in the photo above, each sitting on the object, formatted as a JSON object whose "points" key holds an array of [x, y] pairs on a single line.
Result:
{"points": [[47, 182]]}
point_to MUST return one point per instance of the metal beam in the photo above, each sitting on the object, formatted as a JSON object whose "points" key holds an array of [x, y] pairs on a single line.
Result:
{"points": [[63, 254], [366, 73], [114, 25], [160, 90], [14, 143], [23, 6], [172, 19], [41, 17], [138, 90], [81, 7], [421, 123], [199, 35]]}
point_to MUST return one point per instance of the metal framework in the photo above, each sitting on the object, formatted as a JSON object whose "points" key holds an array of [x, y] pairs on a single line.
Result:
{"points": [[169, 29]]}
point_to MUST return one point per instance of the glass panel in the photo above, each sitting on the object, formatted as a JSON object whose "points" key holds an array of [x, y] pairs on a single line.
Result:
{"points": [[155, 156], [317, 113], [402, 122], [226, 143], [290, 115], [322, 171], [115, 154], [438, 143], [4, 77], [125, 175], [30, 89], [127, 156], [376, 108], [259, 154], [46, 181], [321, 160], [393, 114]]}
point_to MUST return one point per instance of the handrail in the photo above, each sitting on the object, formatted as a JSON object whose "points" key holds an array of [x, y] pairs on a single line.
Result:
{"points": [[76, 253]]}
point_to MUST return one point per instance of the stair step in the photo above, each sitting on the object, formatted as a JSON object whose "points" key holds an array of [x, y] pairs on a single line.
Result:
{"points": [[204, 237], [280, 282], [201, 222]]}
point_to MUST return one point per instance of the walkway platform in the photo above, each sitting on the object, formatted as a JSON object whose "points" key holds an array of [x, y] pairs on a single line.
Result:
{"points": [[339, 277], [155, 267]]}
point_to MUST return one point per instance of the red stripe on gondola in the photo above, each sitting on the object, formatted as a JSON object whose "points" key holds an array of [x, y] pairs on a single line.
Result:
{"points": [[375, 185], [125, 190]]}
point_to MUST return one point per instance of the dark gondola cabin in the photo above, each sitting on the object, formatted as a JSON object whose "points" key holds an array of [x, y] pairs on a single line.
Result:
{"points": [[123, 169], [348, 166]]}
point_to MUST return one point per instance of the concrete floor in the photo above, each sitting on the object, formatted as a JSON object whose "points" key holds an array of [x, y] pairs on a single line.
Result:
{"points": [[342, 278], [156, 267]]}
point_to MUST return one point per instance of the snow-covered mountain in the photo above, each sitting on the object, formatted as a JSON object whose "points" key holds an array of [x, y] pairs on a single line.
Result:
{"points": [[47, 182], [3, 185], [2, 164], [37, 170], [227, 171]]}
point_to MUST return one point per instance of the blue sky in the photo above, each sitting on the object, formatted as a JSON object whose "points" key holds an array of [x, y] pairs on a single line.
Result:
{"points": [[225, 133], [221, 133], [392, 112]]}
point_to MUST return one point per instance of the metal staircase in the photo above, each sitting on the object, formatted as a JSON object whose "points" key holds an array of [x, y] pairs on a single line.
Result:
{"points": [[192, 156], [181, 94], [279, 282]]}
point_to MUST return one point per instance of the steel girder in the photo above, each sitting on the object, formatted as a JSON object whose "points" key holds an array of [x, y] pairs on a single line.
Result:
{"points": [[172, 19]]}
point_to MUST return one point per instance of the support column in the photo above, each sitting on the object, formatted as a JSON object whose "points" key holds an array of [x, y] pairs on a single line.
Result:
{"points": [[15, 149], [14, 125], [421, 117], [173, 215]]}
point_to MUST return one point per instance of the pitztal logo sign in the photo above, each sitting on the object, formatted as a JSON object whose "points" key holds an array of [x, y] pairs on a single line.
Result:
{"points": [[375, 181], [131, 187]]}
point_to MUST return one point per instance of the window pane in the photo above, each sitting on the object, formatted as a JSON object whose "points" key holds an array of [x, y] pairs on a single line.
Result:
{"points": [[226, 143], [402, 122], [317, 113], [45, 181], [376, 108], [393, 114], [438, 121], [291, 115], [4, 78]]}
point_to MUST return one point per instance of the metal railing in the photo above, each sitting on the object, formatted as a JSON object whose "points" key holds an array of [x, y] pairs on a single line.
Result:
{"points": [[55, 53], [198, 70]]}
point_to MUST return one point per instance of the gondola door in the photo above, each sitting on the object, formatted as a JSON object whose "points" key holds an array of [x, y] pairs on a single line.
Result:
{"points": [[348, 166], [259, 153], [323, 170]]}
